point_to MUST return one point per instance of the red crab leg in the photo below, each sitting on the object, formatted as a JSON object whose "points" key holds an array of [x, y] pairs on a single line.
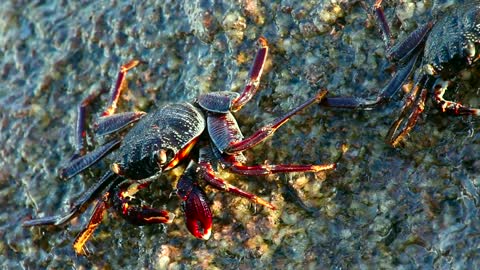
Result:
{"points": [[94, 221], [254, 76], [418, 107], [268, 130], [209, 175], [450, 106], [120, 86], [124, 193], [240, 168]]}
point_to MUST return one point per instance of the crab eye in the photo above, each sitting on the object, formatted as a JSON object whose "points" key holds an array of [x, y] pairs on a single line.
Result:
{"points": [[161, 156], [164, 156]]}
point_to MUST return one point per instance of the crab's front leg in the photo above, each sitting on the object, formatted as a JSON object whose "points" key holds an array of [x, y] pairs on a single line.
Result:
{"points": [[449, 106], [195, 205], [122, 198]]}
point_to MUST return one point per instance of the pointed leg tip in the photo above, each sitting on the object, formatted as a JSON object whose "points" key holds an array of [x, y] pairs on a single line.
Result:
{"points": [[324, 167], [263, 41], [171, 217], [263, 202]]}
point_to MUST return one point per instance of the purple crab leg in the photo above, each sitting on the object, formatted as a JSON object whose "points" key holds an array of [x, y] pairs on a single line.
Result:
{"points": [[268, 130], [80, 133], [406, 53], [411, 45], [387, 92], [382, 21], [450, 106], [108, 124], [254, 76], [80, 205], [82, 163]]}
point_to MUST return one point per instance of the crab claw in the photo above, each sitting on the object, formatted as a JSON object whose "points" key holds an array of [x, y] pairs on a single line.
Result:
{"points": [[197, 212]]}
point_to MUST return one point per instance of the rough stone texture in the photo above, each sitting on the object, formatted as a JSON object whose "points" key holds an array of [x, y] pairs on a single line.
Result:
{"points": [[412, 207]]}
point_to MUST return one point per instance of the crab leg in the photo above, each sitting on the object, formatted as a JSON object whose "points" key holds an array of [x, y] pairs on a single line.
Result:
{"points": [[254, 76], [450, 106], [388, 91], [198, 215], [120, 85], [82, 163], [382, 21], [108, 124], [81, 133], [94, 221], [405, 52], [124, 193], [266, 169], [418, 107], [209, 175], [80, 205], [268, 130]]}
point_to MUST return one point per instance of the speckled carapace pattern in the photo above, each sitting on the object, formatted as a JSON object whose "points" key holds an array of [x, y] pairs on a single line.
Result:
{"points": [[415, 207]]}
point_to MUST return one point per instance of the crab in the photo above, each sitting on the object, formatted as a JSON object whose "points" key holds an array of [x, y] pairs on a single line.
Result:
{"points": [[158, 142], [440, 49]]}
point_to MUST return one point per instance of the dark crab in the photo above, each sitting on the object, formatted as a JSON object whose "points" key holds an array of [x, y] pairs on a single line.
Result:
{"points": [[441, 48], [158, 142]]}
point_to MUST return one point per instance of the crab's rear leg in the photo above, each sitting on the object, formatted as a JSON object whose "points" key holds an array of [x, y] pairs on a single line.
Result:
{"points": [[107, 181], [450, 106], [254, 76]]}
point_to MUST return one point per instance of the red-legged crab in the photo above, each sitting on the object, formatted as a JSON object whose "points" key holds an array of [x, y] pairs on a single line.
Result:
{"points": [[442, 48], [158, 141]]}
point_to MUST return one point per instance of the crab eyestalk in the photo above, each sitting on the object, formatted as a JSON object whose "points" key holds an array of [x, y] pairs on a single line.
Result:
{"points": [[195, 205]]}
